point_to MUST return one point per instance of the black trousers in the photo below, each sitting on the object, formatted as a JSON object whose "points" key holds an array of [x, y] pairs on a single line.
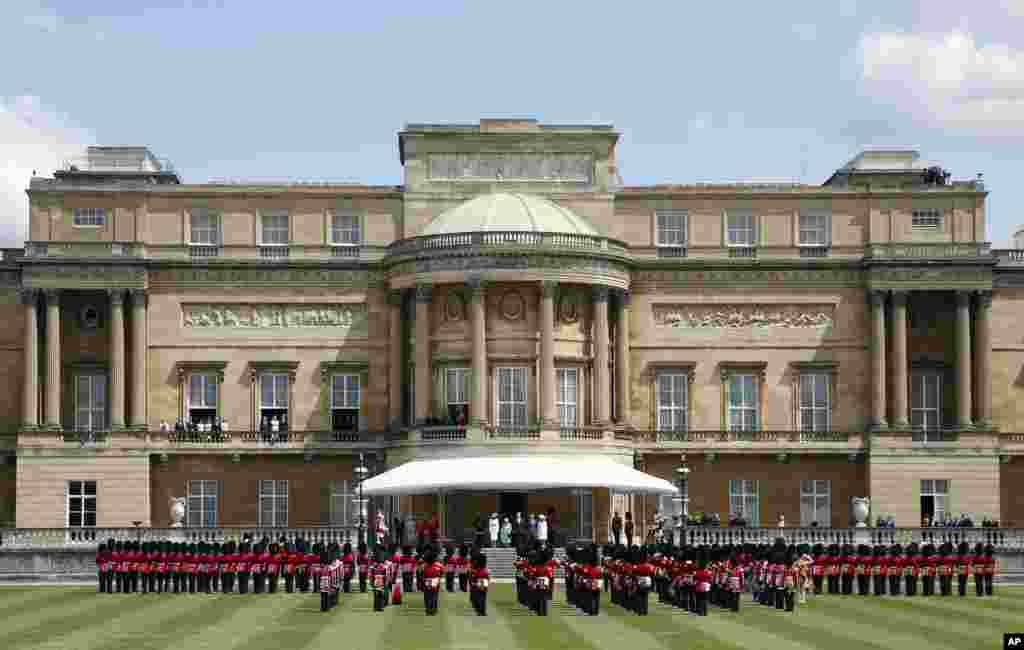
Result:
{"points": [[818, 580], [862, 585], [289, 583], [879, 585], [702, 603], [243, 582], [478, 598], [780, 598], [847, 581], [911, 585], [979, 585], [894, 585], [988, 584], [789, 597], [928, 586]]}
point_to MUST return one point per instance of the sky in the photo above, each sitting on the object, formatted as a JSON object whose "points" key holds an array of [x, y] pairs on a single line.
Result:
{"points": [[701, 92]]}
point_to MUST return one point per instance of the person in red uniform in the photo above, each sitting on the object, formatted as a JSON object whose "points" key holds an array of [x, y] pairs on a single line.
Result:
{"points": [[879, 569], [348, 567], [259, 568], [362, 566], [989, 562], [102, 565], [243, 566], [229, 572], [702, 580], [377, 573], [520, 565], [946, 568], [407, 564], [929, 566], [834, 568], [643, 573], [735, 583], [978, 569], [966, 562], [432, 572], [594, 577], [790, 580], [911, 569], [479, 582], [462, 568]]}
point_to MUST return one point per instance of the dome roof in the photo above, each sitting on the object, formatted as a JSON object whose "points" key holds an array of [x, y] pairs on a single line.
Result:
{"points": [[509, 212]]}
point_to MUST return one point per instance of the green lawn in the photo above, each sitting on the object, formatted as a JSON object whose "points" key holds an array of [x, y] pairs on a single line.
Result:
{"points": [[77, 618]]}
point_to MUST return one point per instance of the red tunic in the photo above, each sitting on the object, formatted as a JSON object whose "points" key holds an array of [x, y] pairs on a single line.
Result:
{"points": [[480, 579], [432, 573], [702, 577]]}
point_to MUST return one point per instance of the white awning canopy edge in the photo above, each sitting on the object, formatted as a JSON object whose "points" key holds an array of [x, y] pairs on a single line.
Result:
{"points": [[512, 474]]}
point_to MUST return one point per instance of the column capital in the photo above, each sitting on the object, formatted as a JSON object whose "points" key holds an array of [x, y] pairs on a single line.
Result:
{"points": [[424, 293], [599, 293], [116, 297], [28, 296], [983, 299], [138, 297], [963, 299], [877, 297], [52, 297], [395, 297], [899, 297], [548, 289]]}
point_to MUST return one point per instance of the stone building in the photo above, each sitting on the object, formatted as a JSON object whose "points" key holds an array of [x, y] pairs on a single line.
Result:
{"points": [[800, 344]]}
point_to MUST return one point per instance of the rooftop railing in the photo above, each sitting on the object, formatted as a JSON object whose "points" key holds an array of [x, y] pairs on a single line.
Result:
{"points": [[504, 239]]}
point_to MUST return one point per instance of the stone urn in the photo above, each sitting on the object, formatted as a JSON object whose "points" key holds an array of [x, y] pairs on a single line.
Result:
{"points": [[177, 512], [861, 508]]}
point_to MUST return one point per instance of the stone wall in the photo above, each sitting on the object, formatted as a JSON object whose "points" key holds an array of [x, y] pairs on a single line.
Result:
{"points": [[896, 484], [1011, 496]]}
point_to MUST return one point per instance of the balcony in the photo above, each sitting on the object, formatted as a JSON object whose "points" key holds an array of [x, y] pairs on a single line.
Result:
{"points": [[43, 249], [814, 251], [1009, 256], [745, 441], [742, 252], [512, 239], [925, 250], [263, 440], [273, 253]]}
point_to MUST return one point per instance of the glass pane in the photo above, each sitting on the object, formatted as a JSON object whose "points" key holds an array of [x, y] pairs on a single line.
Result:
{"points": [[916, 394], [806, 487], [281, 391], [822, 510], [84, 392], [750, 487], [927, 486], [931, 392], [822, 487], [266, 391], [282, 488], [211, 393], [821, 420], [821, 391], [806, 390], [942, 487], [195, 488], [75, 487], [75, 505], [99, 392], [735, 392], [89, 487], [806, 510]]}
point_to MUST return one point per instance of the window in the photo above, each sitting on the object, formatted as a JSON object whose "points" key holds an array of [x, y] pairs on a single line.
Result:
{"points": [[584, 513], [743, 403], [511, 397], [743, 501], [671, 228], [814, 229], [568, 397], [671, 401], [345, 399], [274, 389], [344, 509], [815, 503], [202, 503], [205, 227], [274, 231], [273, 503], [89, 217], [815, 401], [926, 218], [202, 398], [740, 229], [90, 402], [81, 504], [934, 500], [925, 407], [345, 229], [456, 383]]}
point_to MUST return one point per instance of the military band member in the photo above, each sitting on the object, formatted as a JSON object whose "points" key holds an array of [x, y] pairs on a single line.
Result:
{"points": [[911, 568], [879, 570], [946, 568], [291, 568], [432, 573], [348, 567], [362, 566], [702, 583], [929, 566]]}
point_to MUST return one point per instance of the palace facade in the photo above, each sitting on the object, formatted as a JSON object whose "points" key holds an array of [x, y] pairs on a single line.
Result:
{"points": [[799, 344]]}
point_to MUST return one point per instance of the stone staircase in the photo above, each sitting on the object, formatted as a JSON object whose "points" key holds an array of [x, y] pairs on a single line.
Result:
{"points": [[500, 561]]}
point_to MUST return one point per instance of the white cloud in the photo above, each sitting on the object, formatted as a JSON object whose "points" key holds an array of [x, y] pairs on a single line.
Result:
{"points": [[34, 137], [947, 80]]}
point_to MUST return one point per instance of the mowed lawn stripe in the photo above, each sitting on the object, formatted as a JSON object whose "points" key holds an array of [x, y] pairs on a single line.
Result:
{"points": [[671, 624], [197, 613], [946, 606], [46, 597], [411, 628], [531, 631], [77, 630], [612, 629], [234, 628], [306, 624], [353, 624], [938, 630], [45, 620], [760, 628], [848, 622], [467, 630]]}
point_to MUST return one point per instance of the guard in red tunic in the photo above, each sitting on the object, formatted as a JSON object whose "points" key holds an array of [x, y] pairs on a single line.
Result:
{"points": [[362, 566], [735, 583], [593, 577], [449, 568], [229, 570], [929, 566], [278, 560], [818, 567], [479, 583], [963, 567], [835, 572], [348, 567], [432, 572], [702, 580], [102, 564], [946, 569], [377, 573], [989, 562], [643, 575], [790, 580], [978, 569], [879, 569], [911, 569], [407, 567]]}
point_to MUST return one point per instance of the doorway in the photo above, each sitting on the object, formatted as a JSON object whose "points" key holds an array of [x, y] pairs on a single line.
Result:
{"points": [[509, 503]]}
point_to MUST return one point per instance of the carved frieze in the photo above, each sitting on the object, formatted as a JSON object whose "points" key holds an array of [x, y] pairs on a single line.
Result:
{"points": [[509, 262], [268, 277], [512, 166], [830, 277], [86, 277], [743, 316], [351, 317]]}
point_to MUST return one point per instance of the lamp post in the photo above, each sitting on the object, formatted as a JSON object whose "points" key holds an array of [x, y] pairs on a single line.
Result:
{"points": [[361, 472], [682, 499]]}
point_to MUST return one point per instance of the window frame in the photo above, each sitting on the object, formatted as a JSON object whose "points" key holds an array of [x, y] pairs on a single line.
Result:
{"points": [[513, 403], [347, 494], [936, 494], [214, 228], [739, 409], [675, 375], [825, 228], [729, 228], [925, 433], [562, 404], [926, 218], [274, 214], [96, 378], [206, 518], [356, 227], [826, 377], [82, 498], [97, 217], [583, 499], [681, 227], [261, 408], [816, 497], [754, 518], [274, 496]]}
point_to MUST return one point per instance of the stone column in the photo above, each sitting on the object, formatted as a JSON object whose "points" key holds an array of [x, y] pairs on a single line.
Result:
{"points": [[116, 358], [622, 360], [983, 358], [424, 295], [602, 375], [963, 359], [394, 358], [478, 325], [30, 386], [900, 419], [548, 382], [878, 376], [53, 358], [139, 358]]}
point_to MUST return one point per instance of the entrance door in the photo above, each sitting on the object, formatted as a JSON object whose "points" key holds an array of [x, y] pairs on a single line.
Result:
{"points": [[509, 503]]}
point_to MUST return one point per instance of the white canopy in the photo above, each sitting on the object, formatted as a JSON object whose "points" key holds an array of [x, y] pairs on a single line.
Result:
{"points": [[513, 474]]}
